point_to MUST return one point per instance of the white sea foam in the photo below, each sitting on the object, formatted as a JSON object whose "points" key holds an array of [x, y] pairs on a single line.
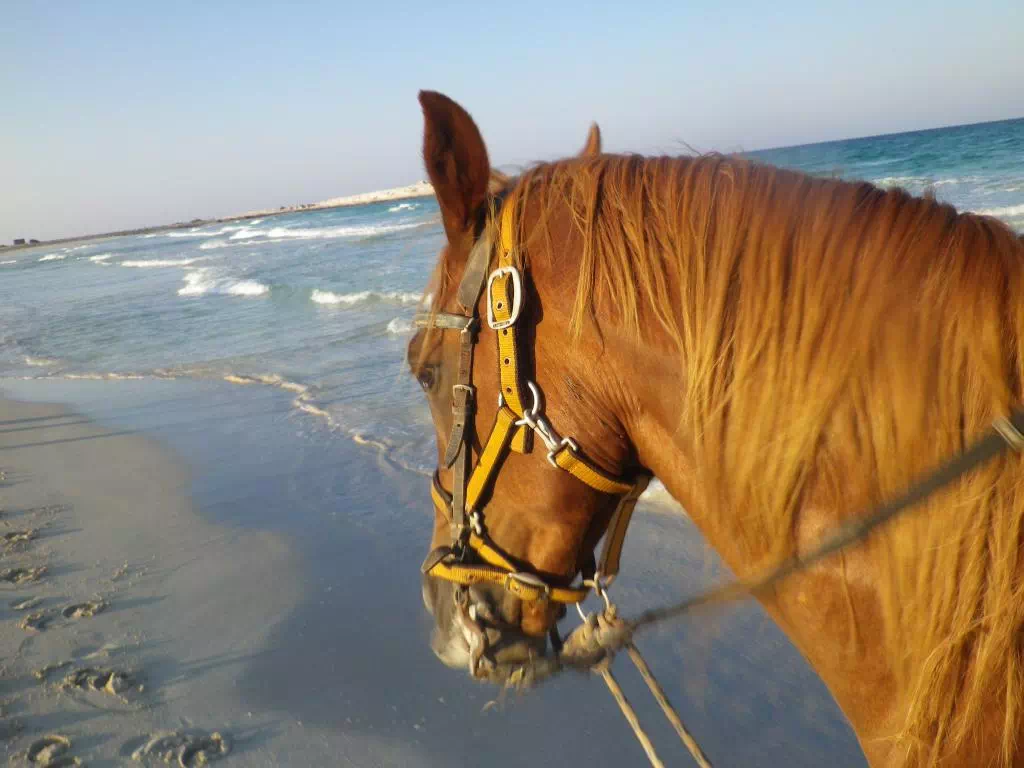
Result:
{"points": [[246, 288], [9, 261], [361, 297], [404, 207], [399, 326], [54, 257], [320, 233], [1005, 212], [100, 258], [200, 281], [210, 244], [39, 362], [200, 232], [197, 283], [150, 263]]}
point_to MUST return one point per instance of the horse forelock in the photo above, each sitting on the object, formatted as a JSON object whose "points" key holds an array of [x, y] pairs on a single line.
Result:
{"points": [[827, 329]]}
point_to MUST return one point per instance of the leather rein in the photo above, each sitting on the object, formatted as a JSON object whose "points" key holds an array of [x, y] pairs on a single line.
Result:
{"points": [[472, 557]]}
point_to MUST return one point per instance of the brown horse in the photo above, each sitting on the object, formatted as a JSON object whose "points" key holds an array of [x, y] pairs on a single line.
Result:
{"points": [[782, 352]]}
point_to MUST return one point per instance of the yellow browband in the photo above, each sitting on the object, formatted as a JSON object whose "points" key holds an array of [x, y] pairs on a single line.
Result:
{"points": [[513, 429]]}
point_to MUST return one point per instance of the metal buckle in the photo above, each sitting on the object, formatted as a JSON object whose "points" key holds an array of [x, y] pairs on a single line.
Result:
{"points": [[529, 580], [566, 442], [469, 389], [517, 297]]}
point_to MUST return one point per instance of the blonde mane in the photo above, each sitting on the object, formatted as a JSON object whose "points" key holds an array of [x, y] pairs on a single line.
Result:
{"points": [[838, 341]]}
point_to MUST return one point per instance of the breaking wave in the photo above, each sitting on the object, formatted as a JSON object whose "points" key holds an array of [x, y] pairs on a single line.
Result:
{"points": [[1006, 211], [321, 233], [363, 297], [399, 326], [149, 263], [199, 282]]}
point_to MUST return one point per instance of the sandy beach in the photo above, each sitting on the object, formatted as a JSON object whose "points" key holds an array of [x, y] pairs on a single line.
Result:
{"points": [[197, 566]]}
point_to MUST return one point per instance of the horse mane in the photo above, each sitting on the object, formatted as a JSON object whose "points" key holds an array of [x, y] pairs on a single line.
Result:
{"points": [[838, 341]]}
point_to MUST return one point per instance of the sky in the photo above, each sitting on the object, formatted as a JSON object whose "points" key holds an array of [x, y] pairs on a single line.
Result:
{"points": [[125, 114]]}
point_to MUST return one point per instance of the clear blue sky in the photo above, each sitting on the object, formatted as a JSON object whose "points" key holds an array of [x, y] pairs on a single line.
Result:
{"points": [[121, 114]]}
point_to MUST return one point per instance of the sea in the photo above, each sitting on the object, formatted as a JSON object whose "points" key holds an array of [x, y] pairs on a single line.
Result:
{"points": [[316, 306]]}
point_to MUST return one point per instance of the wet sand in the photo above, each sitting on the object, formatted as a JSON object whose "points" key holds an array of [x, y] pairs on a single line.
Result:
{"points": [[221, 566]]}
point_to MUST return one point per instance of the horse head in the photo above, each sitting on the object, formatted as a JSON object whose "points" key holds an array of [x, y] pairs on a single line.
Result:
{"points": [[533, 462]]}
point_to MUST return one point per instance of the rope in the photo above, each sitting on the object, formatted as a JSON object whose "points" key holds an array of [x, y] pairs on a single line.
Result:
{"points": [[629, 714], [666, 706]]}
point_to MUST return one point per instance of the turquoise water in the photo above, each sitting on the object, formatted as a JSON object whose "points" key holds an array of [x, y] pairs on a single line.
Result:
{"points": [[320, 302]]}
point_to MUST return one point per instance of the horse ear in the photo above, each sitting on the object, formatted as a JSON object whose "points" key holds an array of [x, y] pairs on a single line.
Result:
{"points": [[456, 162], [593, 146]]}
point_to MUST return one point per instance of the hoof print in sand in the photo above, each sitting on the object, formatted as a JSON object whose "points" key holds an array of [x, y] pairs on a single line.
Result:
{"points": [[24, 603], [14, 539], [83, 610], [22, 575], [51, 752], [36, 622], [185, 749], [44, 672], [109, 681]]}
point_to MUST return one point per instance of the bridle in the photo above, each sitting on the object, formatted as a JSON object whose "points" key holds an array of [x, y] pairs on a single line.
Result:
{"points": [[472, 557]]}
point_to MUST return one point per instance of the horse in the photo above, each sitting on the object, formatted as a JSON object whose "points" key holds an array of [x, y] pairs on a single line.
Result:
{"points": [[782, 351]]}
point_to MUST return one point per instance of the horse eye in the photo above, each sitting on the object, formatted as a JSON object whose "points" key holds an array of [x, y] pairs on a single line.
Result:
{"points": [[426, 377]]}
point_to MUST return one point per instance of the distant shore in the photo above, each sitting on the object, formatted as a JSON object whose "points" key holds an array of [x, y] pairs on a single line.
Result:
{"points": [[411, 191]]}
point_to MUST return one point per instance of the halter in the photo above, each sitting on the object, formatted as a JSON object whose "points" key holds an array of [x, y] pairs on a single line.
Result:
{"points": [[472, 557]]}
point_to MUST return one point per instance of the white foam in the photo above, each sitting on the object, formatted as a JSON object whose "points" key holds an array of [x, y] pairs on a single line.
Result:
{"points": [[200, 232], [361, 297], [39, 362], [246, 288], [1006, 211], [100, 258], [10, 261], [199, 282], [150, 263], [210, 244], [322, 233], [403, 207], [54, 257], [399, 326]]}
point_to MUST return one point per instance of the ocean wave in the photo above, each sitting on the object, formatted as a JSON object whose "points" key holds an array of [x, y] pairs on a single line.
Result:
{"points": [[200, 232], [10, 261], [321, 233], [246, 288], [362, 297], [403, 207], [99, 258], [199, 282], [399, 326], [150, 263], [1006, 211], [40, 362], [54, 257], [104, 376]]}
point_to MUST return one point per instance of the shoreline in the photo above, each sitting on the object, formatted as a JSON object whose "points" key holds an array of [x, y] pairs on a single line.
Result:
{"points": [[416, 191]]}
